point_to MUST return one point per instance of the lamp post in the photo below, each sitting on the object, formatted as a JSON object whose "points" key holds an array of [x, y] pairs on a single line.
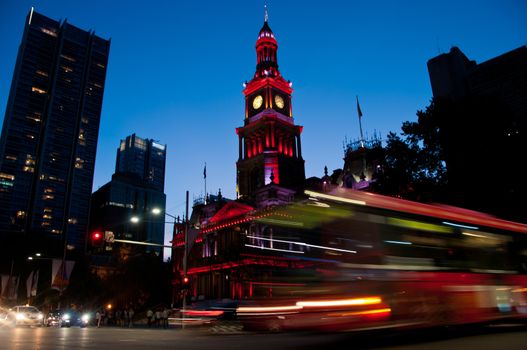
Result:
{"points": [[157, 211]]}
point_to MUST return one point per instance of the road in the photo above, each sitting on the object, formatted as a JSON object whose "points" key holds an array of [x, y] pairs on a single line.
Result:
{"points": [[503, 338]]}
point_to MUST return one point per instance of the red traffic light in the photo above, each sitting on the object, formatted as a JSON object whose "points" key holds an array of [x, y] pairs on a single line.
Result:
{"points": [[185, 280], [96, 239]]}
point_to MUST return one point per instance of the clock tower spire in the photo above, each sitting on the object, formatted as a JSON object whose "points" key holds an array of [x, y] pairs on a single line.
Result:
{"points": [[270, 152]]}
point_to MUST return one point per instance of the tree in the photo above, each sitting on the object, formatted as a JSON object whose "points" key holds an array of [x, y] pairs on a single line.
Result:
{"points": [[415, 159]]}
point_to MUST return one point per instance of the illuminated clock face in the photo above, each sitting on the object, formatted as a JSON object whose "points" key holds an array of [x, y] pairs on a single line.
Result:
{"points": [[279, 101], [257, 102]]}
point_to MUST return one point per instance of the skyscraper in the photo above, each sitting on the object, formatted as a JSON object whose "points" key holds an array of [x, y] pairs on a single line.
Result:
{"points": [[144, 159], [136, 189], [484, 124], [49, 137]]}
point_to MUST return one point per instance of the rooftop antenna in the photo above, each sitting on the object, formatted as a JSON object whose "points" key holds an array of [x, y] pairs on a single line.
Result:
{"points": [[266, 14]]}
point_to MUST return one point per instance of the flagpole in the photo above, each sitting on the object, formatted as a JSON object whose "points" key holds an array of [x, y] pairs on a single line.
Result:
{"points": [[205, 180], [360, 122]]}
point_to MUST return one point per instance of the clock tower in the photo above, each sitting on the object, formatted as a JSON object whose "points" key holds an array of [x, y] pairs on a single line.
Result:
{"points": [[270, 152]]}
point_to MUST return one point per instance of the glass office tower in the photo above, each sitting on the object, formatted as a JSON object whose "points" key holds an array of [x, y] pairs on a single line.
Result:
{"points": [[49, 137]]}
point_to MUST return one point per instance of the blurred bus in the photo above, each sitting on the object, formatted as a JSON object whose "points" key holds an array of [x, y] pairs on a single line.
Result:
{"points": [[379, 262]]}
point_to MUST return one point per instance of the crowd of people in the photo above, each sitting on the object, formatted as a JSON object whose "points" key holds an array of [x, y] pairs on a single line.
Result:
{"points": [[126, 317], [158, 319]]}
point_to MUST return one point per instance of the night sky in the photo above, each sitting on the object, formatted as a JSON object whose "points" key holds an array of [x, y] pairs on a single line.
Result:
{"points": [[176, 71]]}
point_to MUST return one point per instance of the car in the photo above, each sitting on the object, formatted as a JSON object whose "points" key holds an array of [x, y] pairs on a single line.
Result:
{"points": [[53, 318], [24, 315], [74, 318], [3, 317]]}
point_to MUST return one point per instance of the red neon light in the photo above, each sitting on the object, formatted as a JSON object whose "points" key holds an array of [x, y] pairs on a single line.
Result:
{"points": [[269, 261], [231, 210]]}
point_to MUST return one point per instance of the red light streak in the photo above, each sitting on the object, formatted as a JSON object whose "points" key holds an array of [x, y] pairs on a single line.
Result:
{"points": [[206, 313]]}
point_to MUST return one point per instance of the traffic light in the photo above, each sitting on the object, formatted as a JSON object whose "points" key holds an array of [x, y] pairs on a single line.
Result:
{"points": [[185, 283], [96, 239]]}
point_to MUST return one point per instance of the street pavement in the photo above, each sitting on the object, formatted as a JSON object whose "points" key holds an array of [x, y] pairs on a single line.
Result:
{"points": [[489, 338]]}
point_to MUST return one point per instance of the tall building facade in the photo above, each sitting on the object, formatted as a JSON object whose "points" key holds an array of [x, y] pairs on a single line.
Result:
{"points": [[49, 136], [144, 159], [270, 149], [136, 189], [484, 124]]}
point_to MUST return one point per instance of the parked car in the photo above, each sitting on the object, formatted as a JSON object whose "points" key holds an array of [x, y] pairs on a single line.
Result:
{"points": [[24, 316]]}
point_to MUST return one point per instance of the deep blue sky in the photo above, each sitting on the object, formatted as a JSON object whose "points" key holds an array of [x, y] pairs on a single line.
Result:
{"points": [[176, 70]]}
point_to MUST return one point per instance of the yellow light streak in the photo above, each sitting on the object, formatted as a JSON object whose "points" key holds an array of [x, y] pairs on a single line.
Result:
{"points": [[341, 302]]}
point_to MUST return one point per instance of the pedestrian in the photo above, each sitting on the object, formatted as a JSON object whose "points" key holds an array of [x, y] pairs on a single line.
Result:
{"points": [[109, 318], [131, 317], [158, 317], [125, 318], [98, 318], [165, 317], [118, 317], [149, 315]]}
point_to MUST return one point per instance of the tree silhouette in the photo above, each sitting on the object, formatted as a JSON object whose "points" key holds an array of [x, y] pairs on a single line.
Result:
{"points": [[415, 165]]}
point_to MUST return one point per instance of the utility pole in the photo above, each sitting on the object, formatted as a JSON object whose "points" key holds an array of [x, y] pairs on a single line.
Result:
{"points": [[185, 256]]}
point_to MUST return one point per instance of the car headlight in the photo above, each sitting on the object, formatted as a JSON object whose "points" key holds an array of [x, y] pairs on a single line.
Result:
{"points": [[66, 317], [20, 316], [40, 316], [85, 318]]}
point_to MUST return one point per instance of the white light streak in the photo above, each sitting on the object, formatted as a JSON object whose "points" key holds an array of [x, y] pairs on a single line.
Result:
{"points": [[278, 250], [399, 242], [304, 244], [462, 226], [334, 198]]}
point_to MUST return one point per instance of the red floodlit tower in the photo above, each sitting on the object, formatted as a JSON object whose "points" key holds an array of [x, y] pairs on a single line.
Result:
{"points": [[269, 142]]}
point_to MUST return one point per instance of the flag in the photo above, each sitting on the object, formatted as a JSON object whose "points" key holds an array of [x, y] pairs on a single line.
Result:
{"points": [[35, 284], [359, 112], [60, 281], [5, 281], [31, 284], [10, 287], [205, 171]]}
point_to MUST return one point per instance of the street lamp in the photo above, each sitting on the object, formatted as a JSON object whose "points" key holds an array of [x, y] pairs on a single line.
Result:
{"points": [[134, 219], [157, 211]]}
